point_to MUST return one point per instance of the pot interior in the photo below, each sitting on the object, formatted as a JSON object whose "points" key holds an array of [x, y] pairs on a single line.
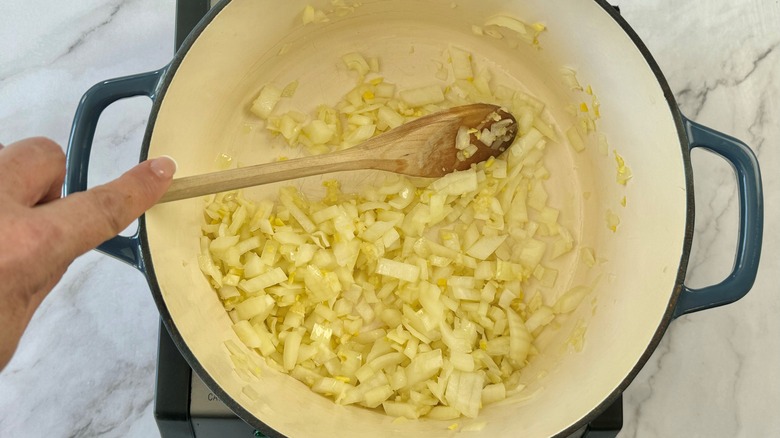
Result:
{"points": [[204, 113]]}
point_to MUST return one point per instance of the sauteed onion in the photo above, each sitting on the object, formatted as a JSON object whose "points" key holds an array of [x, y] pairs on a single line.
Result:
{"points": [[421, 298]]}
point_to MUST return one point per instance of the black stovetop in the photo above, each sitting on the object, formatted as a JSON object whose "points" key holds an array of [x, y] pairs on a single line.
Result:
{"points": [[185, 408]]}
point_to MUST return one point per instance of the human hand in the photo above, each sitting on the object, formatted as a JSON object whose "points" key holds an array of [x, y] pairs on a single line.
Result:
{"points": [[41, 233]]}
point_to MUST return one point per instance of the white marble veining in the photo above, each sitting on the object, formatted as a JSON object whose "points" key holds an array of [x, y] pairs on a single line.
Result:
{"points": [[86, 365], [712, 374]]}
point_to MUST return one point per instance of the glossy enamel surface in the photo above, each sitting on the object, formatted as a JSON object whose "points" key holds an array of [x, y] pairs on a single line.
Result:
{"points": [[203, 112]]}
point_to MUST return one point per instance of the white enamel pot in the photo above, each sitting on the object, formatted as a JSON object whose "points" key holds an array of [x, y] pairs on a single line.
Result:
{"points": [[200, 110]]}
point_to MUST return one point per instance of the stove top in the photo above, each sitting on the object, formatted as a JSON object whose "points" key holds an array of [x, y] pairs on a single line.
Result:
{"points": [[184, 407]]}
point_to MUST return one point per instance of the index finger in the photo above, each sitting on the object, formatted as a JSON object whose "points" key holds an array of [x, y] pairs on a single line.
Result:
{"points": [[100, 213]]}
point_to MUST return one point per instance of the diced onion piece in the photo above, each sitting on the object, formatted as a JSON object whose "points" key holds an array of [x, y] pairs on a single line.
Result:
{"points": [[443, 413], [399, 270], [461, 63], [401, 410], [423, 367], [532, 252], [326, 214], [462, 361], [462, 138], [362, 133], [570, 79], [355, 61], [208, 267], [265, 103], [322, 285], [508, 23], [292, 344], [485, 246], [228, 292], [456, 183], [247, 334], [222, 244], [563, 244], [571, 299], [613, 220], [623, 172], [543, 316], [376, 396], [498, 346], [267, 345], [493, 393], [331, 386], [390, 117], [319, 132], [588, 257], [289, 89], [422, 96], [519, 339], [262, 281], [256, 307], [464, 392], [311, 15]]}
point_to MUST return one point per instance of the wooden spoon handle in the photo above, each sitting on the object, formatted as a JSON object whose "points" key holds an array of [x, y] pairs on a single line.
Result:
{"points": [[378, 153], [216, 182]]}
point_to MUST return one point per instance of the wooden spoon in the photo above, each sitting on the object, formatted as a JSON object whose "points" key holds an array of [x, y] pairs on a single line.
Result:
{"points": [[423, 147]]}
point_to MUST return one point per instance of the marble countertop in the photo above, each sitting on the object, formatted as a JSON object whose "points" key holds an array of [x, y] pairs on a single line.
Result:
{"points": [[86, 365]]}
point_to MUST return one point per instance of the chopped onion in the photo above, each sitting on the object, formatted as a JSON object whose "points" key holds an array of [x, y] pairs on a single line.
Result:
{"points": [[311, 15], [571, 299], [400, 409], [456, 183], [464, 392], [613, 221], [485, 246], [461, 63], [623, 172], [404, 296], [399, 270], [319, 132], [263, 281], [256, 307], [509, 23], [266, 101], [423, 96]]}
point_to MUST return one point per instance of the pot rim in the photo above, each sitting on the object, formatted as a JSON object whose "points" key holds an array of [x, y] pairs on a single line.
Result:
{"points": [[580, 424]]}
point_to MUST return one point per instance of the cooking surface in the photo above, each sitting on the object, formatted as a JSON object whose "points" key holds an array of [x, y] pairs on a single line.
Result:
{"points": [[86, 366], [201, 319]]}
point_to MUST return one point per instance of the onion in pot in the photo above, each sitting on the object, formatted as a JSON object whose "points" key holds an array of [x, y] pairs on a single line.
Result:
{"points": [[402, 297]]}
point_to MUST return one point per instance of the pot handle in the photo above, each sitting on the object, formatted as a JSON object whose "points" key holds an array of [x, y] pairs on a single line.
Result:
{"points": [[94, 101], [751, 221]]}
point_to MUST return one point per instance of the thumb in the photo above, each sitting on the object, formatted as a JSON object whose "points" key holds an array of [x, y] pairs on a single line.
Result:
{"points": [[90, 218]]}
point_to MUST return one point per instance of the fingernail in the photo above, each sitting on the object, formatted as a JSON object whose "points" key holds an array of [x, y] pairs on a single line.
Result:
{"points": [[163, 166]]}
